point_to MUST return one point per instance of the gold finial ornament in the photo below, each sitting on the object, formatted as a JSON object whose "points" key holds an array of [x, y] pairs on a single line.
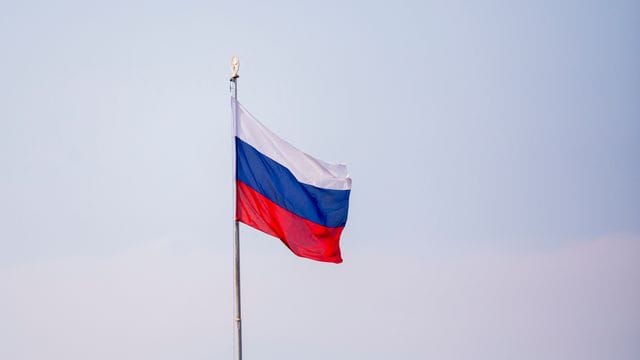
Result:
{"points": [[235, 66]]}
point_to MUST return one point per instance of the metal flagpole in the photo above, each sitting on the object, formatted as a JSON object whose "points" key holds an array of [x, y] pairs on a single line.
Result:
{"points": [[235, 66]]}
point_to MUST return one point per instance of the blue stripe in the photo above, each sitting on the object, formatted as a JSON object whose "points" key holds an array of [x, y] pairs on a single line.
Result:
{"points": [[322, 206]]}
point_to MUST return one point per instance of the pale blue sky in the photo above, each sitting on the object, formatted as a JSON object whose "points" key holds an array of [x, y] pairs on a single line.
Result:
{"points": [[493, 147]]}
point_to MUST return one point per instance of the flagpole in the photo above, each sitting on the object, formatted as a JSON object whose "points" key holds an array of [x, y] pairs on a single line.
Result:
{"points": [[235, 65]]}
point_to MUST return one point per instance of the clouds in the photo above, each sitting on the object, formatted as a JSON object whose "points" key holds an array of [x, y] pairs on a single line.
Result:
{"points": [[579, 301], [149, 302]]}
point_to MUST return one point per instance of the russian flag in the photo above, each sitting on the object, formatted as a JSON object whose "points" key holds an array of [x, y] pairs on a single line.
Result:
{"points": [[288, 194]]}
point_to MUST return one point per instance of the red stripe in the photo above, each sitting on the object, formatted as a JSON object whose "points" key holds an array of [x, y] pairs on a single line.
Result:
{"points": [[305, 238]]}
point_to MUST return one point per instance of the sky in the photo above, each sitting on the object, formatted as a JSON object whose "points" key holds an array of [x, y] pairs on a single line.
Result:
{"points": [[493, 147]]}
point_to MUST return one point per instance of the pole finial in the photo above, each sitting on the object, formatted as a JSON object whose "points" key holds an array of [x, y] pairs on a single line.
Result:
{"points": [[235, 67]]}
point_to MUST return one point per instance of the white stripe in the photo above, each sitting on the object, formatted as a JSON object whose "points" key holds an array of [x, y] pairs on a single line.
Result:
{"points": [[304, 167]]}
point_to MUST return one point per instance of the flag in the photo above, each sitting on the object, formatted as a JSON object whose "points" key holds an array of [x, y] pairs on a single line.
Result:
{"points": [[288, 194]]}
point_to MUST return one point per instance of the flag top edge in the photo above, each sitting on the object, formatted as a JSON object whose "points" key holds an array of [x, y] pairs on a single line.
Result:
{"points": [[306, 168]]}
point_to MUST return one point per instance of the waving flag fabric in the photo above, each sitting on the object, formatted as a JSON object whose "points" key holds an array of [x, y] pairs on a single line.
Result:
{"points": [[288, 194]]}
